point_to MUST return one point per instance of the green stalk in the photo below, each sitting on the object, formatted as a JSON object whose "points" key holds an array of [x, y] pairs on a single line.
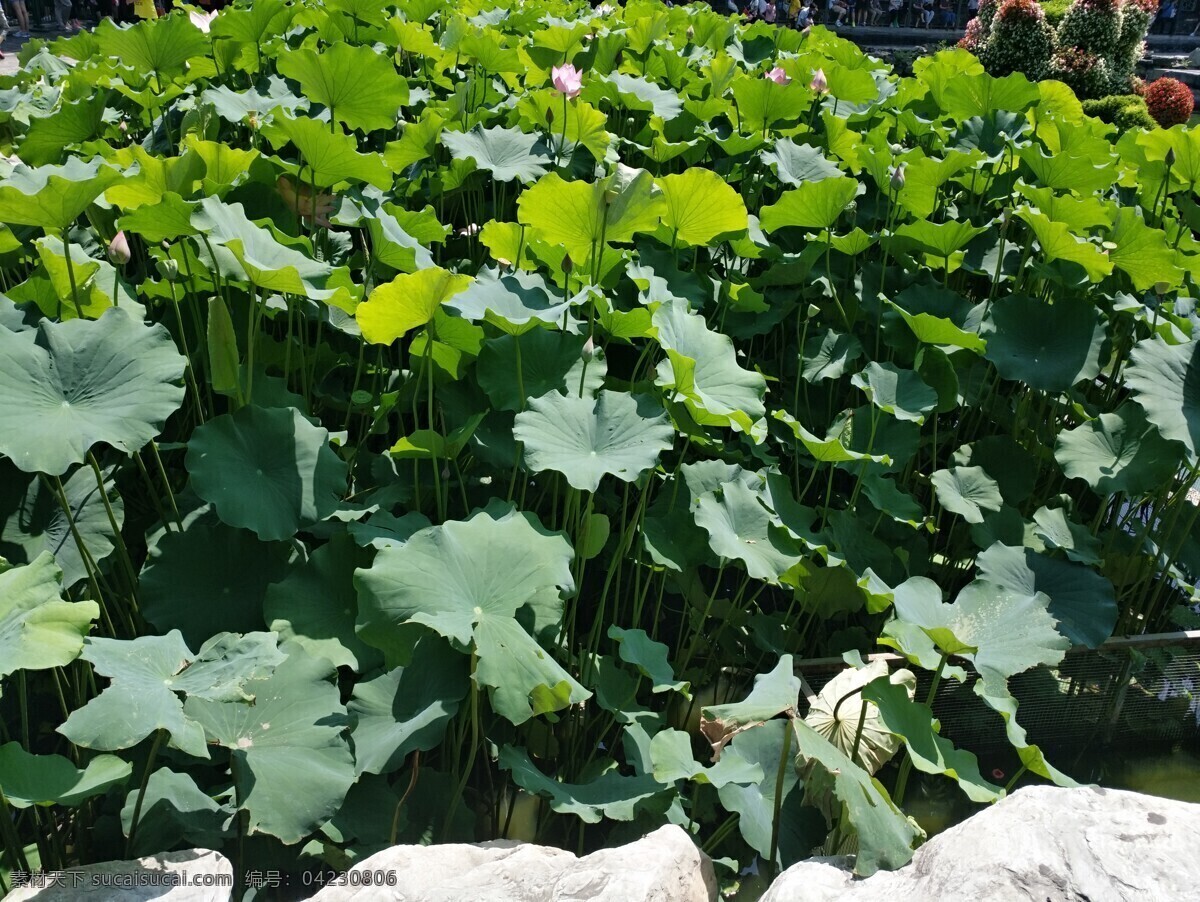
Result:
{"points": [[474, 746], [141, 796], [71, 277], [780, 773], [906, 767], [118, 539]]}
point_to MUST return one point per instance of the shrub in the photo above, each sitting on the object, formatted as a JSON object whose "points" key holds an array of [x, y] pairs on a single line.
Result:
{"points": [[1134, 23], [1086, 73], [1092, 26], [1021, 41], [974, 39], [1170, 101], [1125, 111], [1055, 10]]}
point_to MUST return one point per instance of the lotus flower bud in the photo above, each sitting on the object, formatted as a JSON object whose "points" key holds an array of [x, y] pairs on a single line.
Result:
{"points": [[897, 149], [897, 177], [778, 76], [123, 126], [589, 350], [1161, 288], [118, 250], [691, 34], [567, 265], [549, 117], [819, 83], [1170, 157], [169, 269]]}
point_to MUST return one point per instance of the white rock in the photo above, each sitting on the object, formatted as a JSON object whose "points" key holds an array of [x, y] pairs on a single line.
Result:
{"points": [[195, 875], [1041, 844], [665, 866]]}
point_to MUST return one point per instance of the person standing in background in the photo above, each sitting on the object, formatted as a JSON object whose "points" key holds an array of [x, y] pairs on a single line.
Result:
{"points": [[22, 15], [1164, 22]]}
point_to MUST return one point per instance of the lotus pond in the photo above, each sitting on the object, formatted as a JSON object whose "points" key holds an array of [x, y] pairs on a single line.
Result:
{"points": [[431, 422]]}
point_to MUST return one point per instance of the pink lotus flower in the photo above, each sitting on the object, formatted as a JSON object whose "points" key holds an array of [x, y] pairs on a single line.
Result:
{"points": [[203, 21], [118, 249], [819, 83], [567, 80], [778, 76]]}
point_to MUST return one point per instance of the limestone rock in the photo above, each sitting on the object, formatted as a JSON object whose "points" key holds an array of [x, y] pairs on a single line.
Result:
{"points": [[665, 866], [1041, 844], [195, 875]]}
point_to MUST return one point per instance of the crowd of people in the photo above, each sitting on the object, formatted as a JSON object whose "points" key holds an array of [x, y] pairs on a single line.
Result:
{"points": [[851, 13]]}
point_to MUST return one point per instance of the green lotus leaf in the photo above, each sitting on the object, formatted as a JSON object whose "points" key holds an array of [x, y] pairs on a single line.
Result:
{"points": [[740, 528], [53, 197], [224, 167], [760, 103], [1118, 452], [826, 356], [1165, 380], [1081, 600], [168, 219], [901, 393], [639, 94], [756, 803], [1067, 171], [610, 795], [147, 673], [942, 239], [968, 95], [1081, 215], [272, 95], [585, 125], [702, 367], [70, 123], [315, 606], [507, 153], [798, 163], [513, 368], [1002, 633], [930, 752], [155, 46], [672, 760], [586, 438], [32, 520], [68, 386], [515, 303], [1050, 347], [407, 709], [827, 450], [467, 580], [775, 692], [288, 752], [329, 157], [1142, 252], [252, 24], [406, 303], [359, 86], [268, 470], [182, 589], [578, 215], [250, 252], [967, 491], [813, 205], [175, 811], [38, 628], [1014, 469], [649, 657], [700, 206], [1057, 243], [392, 245], [27, 779], [1053, 527]]}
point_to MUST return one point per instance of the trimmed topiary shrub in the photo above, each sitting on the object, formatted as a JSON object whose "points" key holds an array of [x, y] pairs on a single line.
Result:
{"points": [[1170, 101], [1135, 17], [1093, 26], [1055, 10], [1021, 41], [1125, 111], [1086, 73]]}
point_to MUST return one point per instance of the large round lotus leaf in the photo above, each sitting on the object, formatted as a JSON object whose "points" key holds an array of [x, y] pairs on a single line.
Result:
{"points": [[291, 761], [967, 491], [586, 438], [515, 303], [1118, 452], [27, 779], [507, 153], [740, 528], [814, 205], [52, 197], [513, 368], [407, 302], [359, 86], [208, 579], [1165, 380], [700, 206], [901, 393], [1049, 347], [266, 469], [32, 520], [71, 385], [468, 581]]}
